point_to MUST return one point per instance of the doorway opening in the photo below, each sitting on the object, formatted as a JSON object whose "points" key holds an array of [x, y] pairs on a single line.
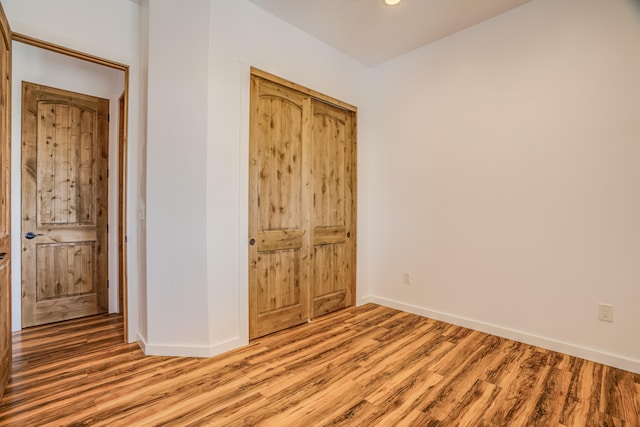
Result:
{"points": [[107, 79]]}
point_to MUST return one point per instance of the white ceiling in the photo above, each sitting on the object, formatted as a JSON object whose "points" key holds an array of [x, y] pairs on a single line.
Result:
{"points": [[372, 32]]}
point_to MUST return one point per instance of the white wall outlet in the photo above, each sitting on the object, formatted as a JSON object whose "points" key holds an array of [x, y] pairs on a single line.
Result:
{"points": [[605, 312], [406, 278]]}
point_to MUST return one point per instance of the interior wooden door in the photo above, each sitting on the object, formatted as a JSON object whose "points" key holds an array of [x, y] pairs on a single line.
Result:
{"points": [[64, 205], [5, 201], [278, 251], [301, 205], [333, 180]]}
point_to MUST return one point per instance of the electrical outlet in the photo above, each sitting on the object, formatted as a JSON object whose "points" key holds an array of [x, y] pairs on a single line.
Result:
{"points": [[605, 312], [406, 278]]}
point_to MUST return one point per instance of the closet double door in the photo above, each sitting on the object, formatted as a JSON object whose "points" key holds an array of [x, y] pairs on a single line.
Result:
{"points": [[302, 204]]}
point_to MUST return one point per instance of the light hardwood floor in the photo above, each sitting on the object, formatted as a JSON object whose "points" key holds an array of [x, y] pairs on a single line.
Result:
{"points": [[362, 366]]}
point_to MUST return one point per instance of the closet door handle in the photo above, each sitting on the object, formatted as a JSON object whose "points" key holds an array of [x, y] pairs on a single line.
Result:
{"points": [[3, 255], [30, 235]]}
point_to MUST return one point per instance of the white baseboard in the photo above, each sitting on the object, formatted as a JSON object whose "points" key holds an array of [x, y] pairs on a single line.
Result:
{"points": [[189, 351], [524, 337], [142, 343]]}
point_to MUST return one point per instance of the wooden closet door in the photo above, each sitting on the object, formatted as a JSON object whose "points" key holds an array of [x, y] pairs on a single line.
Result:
{"points": [[333, 208], [301, 206], [278, 219]]}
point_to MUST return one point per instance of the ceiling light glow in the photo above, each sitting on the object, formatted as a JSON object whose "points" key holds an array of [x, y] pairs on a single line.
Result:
{"points": [[392, 2]]}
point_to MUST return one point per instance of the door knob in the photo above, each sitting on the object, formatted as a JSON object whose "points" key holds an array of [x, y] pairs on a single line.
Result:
{"points": [[2, 255], [252, 242], [30, 235]]}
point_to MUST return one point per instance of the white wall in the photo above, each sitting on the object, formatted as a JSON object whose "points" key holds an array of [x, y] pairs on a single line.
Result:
{"points": [[242, 36], [35, 65], [507, 180], [176, 178], [109, 30], [200, 54]]}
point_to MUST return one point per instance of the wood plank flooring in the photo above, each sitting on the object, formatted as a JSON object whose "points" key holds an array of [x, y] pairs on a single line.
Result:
{"points": [[363, 366]]}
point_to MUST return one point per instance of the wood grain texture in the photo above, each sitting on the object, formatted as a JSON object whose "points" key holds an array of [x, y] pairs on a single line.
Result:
{"points": [[361, 366], [5, 201], [64, 201], [333, 211], [278, 284], [302, 89], [301, 206]]}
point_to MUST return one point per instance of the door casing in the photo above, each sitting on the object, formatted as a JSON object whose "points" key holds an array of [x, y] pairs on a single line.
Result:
{"points": [[5, 203]]}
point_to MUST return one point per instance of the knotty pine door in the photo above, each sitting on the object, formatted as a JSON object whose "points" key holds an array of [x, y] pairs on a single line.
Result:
{"points": [[302, 204], [5, 201], [64, 204]]}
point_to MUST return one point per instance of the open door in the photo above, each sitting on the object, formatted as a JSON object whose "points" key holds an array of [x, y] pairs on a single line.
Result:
{"points": [[65, 154], [5, 201]]}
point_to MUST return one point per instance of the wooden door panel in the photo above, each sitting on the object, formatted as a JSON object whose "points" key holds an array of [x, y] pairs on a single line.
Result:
{"points": [[280, 156], [331, 285], [329, 278], [329, 235], [66, 164], [279, 240], [279, 287], [65, 308], [5, 201], [277, 280], [64, 270], [64, 202], [330, 135]]}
